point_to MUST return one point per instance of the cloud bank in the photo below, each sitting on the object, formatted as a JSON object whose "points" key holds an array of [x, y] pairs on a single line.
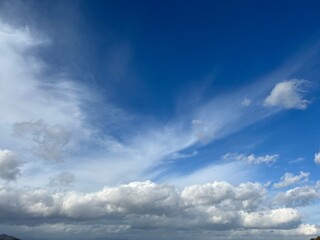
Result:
{"points": [[147, 205]]}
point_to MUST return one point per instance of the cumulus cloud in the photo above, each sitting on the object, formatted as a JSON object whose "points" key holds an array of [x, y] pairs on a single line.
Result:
{"points": [[289, 179], [10, 165], [299, 196], [49, 140], [276, 218], [317, 158], [288, 95], [145, 205], [252, 158]]}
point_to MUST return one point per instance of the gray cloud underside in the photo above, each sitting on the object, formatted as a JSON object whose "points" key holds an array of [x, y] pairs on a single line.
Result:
{"points": [[217, 205], [228, 210], [10, 165]]}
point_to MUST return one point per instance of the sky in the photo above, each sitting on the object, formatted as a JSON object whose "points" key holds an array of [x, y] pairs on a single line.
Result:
{"points": [[159, 120]]}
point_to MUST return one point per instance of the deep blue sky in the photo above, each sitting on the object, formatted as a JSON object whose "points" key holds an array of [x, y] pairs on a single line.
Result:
{"points": [[172, 47]]}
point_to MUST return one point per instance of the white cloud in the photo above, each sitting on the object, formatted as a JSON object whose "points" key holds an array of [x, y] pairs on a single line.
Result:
{"points": [[246, 196], [289, 179], [252, 159], [10, 165], [29, 92], [288, 95], [317, 158], [279, 234], [218, 208], [217, 205], [299, 196], [308, 229]]}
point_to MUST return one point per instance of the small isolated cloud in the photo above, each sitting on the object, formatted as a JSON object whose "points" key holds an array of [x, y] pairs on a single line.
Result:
{"points": [[9, 165], [288, 95], [49, 141], [246, 102], [252, 159], [63, 179], [317, 158], [289, 179]]}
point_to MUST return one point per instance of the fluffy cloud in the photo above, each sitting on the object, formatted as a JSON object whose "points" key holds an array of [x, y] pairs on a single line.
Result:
{"points": [[252, 159], [10, 165], [276, 218], [288, 95], [218, 205], [299, 196], [288, 179], [317, 158]]}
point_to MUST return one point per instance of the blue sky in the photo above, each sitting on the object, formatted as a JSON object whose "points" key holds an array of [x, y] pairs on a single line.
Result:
{"points": [[159, 120]]}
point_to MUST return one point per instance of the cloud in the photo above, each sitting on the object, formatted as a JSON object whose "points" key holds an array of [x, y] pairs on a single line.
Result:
{"points": [[246, 102], [296, 233], [288, 95], [10, 165], [49, 140], [179, 155], [247, 196], [289, 179], [63, 179], [31, 90], [299, 196], [317, 158], [147, 205], [252, 159], [276, 218], [111, 231]]}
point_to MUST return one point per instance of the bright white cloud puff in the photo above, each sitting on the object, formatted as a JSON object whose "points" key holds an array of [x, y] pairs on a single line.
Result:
{"points": [[288, 95]]}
